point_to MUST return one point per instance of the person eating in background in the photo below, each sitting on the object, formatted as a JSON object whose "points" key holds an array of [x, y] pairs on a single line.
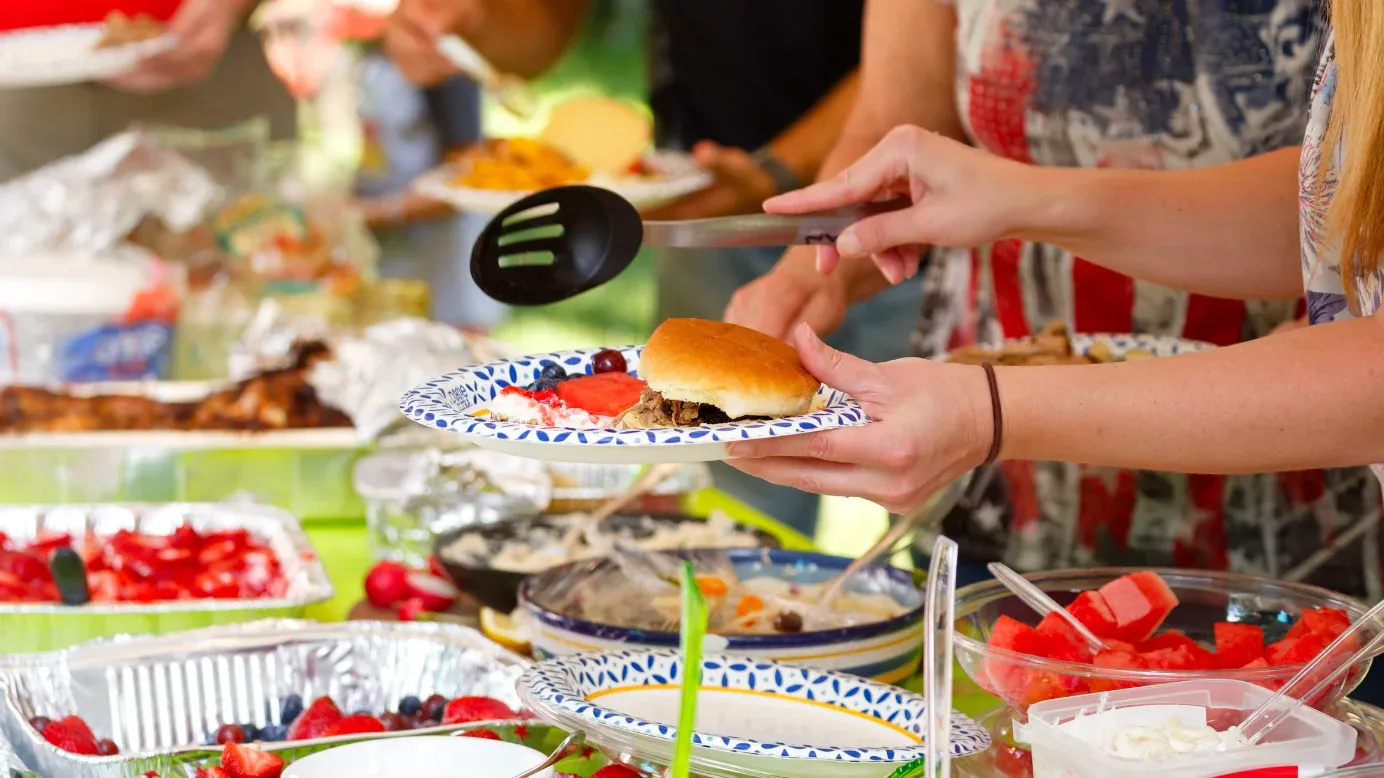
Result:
{"points": [[758, 91], [214, 76], [1166, 85]]}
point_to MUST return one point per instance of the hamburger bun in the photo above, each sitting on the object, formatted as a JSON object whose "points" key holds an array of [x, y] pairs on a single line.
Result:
{"points": [[736, 369], [599, 133]]}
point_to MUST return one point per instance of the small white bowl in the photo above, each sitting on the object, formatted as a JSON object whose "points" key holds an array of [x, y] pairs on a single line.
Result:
{"points": [[412, 756]]}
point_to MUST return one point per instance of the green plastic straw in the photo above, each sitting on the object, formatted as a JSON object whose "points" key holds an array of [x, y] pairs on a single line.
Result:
{"points": [[692, 634]]}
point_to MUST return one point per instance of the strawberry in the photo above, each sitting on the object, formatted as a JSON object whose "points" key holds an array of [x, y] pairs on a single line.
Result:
{"points": [[244, 762], [211, 772], [316, 720], [410, 609], [385, 584], [437, 595], [464, 710], [72, 735], [482, 734], [358, 724]]}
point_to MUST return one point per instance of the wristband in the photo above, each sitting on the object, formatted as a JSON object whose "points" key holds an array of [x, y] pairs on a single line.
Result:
{"points": [[785, 180], [996, 413]]}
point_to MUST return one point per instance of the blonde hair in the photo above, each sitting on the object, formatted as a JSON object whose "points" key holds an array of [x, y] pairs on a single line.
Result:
{"points": [[1356, 216]]}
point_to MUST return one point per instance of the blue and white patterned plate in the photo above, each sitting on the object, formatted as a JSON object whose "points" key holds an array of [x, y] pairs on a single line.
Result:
{"points": [[456, 401], [1119, 345], [753, 717]]}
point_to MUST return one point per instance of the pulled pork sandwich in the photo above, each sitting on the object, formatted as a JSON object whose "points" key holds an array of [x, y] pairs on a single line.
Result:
{"points": [[710, 372]]}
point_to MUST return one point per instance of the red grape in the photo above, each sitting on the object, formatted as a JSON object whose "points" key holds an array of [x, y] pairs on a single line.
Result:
{"points": [[608, 361]]}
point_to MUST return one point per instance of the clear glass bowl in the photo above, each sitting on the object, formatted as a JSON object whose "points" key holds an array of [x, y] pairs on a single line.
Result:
{"points": [[1205, 597]]}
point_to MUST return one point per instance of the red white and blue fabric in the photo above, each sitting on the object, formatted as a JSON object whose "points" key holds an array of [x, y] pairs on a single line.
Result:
{"points": [[1150, 84]]}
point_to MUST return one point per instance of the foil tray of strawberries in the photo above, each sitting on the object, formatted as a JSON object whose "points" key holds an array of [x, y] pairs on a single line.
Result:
{"points": [[166, 704], [70, 573]]}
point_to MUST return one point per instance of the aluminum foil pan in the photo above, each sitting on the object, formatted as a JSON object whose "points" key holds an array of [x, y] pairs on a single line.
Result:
{"points": [[156, 696], [582, 487], [42, 626], [10, 765]]}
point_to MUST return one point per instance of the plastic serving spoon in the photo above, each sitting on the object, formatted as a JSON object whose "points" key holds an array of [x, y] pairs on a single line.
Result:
{"points": [[1332, 660], [693, 634], [560, 753], [555, 244], [927, 514], [1039, 601]]}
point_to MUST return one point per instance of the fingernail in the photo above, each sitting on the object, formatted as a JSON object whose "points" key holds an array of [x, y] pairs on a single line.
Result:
{"points": [[739, 450], [893, 274], [848, 243]]}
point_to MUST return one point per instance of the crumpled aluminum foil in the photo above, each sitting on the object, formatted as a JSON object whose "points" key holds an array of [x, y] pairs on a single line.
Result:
{"points": [[10, 766], [88, 204], [369, 372], [158, 697]]}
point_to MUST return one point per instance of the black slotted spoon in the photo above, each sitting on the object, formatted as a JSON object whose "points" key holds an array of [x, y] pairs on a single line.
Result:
{"points": [[558, 243]]}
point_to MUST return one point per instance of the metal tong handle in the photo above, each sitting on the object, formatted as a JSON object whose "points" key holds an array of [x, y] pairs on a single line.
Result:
{"points": [[1039, 601], [558, 754], [765, 229]]}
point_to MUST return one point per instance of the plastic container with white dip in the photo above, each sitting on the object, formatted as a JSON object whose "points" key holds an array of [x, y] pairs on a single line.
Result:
{"points": [[78, 320], [1072, 737]]}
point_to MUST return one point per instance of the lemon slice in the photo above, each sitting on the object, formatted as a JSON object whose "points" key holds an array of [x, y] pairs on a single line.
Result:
{"points": [[505, 630]]}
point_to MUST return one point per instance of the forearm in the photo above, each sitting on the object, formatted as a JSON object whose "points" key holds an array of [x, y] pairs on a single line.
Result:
{"points": [[526, 37], [907, 76], [1225, 231], [805, 145], [1299, 400]]}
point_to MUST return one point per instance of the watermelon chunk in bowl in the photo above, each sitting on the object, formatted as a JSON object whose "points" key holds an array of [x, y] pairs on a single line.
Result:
{"points": [[1188, 625]]}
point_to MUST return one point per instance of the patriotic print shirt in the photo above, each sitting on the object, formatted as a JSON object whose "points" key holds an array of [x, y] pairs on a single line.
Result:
{"points": [[1149, 84]]}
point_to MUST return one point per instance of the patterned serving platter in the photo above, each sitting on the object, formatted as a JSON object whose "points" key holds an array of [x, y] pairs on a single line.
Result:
{"points": [[753, 717], [456, 402], [49, 56]]}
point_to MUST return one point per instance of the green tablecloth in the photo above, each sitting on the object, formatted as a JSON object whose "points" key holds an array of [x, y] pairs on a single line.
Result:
{"points": [[342, 548]]}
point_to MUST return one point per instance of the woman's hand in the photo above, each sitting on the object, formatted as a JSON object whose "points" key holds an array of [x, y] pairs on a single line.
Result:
{"points": [[201, 30], [932, 423], [740, 186], [961, 196]]}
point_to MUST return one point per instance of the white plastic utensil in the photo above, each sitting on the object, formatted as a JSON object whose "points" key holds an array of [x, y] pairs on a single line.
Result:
{"points": [[1039, 601], [940, 613], [1265, 718], [510, 91]]}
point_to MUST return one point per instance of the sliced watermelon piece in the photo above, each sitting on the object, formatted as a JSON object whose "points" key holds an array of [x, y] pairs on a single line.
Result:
{"points": [[1063, 641], [1200, 657], [1180, 658], [1295, 651], [1140, 602], [1118, 660], [1326, 622], [1238, 644], [1090, 609], [1007, 679], [1043, 686], [1273, 685]]}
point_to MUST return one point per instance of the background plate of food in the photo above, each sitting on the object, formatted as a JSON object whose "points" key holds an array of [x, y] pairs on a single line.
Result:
{"points": [[696, 387], [587, 140], [73, 54], [1054, 346]]}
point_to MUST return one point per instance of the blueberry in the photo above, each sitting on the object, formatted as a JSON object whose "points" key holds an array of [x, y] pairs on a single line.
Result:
{"points": [[410, 705], [252, 732], [292, 709], [273, 733], [545, 385], [552, 372]]}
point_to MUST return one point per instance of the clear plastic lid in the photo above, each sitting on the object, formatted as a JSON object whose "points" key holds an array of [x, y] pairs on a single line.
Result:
{"points": [[1066, 735]]}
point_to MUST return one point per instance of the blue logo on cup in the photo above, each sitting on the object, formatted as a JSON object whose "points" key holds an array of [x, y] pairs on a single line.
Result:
{"points": [[116, 353]]}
